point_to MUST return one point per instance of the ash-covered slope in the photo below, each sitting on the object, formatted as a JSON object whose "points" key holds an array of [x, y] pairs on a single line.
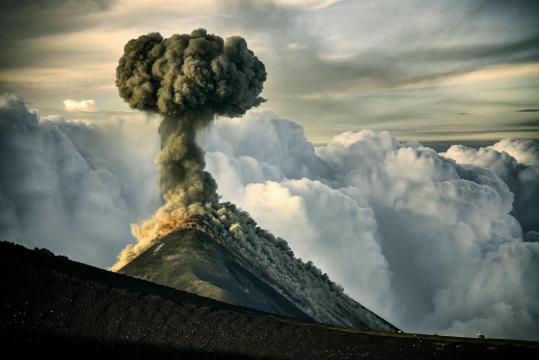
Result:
{"points": [[188, 79], [190, 260], [238, 262]]}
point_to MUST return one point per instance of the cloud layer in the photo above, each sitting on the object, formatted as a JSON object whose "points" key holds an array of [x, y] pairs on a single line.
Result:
{"points": [[431, 242], [428, 242], [71, 187], [516, 162]]}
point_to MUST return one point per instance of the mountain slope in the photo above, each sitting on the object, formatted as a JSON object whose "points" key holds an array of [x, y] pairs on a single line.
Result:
{"points": [[240, 263], [191, 261]]}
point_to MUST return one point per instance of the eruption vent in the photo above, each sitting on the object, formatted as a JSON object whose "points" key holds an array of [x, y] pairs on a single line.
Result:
{"points": [[188, 79]]}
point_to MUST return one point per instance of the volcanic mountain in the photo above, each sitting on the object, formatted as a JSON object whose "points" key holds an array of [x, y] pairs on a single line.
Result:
{"points": [[189, 79], [197, 260]]}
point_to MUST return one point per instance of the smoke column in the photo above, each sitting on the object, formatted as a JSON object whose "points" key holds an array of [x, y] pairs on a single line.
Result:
{"points": [[188, 79]]}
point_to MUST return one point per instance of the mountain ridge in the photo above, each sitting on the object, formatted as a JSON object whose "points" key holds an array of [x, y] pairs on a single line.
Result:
{"points": [[54, 306], [319, 299]]}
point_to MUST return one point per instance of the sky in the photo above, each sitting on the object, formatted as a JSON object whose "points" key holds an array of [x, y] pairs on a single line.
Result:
{"points": [[434, 236], [434, 71]]}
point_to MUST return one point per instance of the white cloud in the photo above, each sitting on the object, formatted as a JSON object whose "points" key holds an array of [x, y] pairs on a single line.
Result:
{"points": [[71, 187], [428, 241], [524, 151], [516, 162], [79, 106], [425, 242]]}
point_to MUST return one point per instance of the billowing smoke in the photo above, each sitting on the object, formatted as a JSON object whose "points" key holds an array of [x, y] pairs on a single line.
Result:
{"points": [[188, 79]]}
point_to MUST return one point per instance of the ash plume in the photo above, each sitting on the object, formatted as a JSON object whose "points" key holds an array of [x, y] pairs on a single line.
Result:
{"points": [[188, 79]]}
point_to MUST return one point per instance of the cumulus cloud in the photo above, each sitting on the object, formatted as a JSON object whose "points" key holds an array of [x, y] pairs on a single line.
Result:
{"points": [[524, 151], [74, 188], [430, 244], [79, 106], [516, 162]]}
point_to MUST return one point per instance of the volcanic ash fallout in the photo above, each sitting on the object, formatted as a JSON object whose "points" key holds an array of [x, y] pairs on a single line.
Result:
{"points": [[188, 79]]}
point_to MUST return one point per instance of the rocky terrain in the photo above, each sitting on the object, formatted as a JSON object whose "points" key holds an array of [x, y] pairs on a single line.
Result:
{"points": [[52, 306], [190, 260], [225, 256]]}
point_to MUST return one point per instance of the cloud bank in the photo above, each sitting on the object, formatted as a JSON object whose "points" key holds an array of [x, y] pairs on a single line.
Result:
{"points": [[516, 162], [71, 187], [431, 242]]}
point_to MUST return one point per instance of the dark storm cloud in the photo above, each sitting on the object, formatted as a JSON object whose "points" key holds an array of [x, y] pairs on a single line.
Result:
{"points": [[24, 24], [256, 15], [310, 67], [489, 134], [531, 123], [306, 69], [337, 62]]}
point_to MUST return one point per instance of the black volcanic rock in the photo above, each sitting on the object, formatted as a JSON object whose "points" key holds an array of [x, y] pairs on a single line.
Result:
{"points": [[54, 307]]}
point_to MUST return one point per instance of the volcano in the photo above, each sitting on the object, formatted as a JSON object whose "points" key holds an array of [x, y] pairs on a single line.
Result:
{"points": [[193, 242], [193, 259], [190, 260]]}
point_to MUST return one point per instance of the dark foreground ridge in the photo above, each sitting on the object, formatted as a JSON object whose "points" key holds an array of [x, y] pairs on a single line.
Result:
{"points": [[53, 306]]}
